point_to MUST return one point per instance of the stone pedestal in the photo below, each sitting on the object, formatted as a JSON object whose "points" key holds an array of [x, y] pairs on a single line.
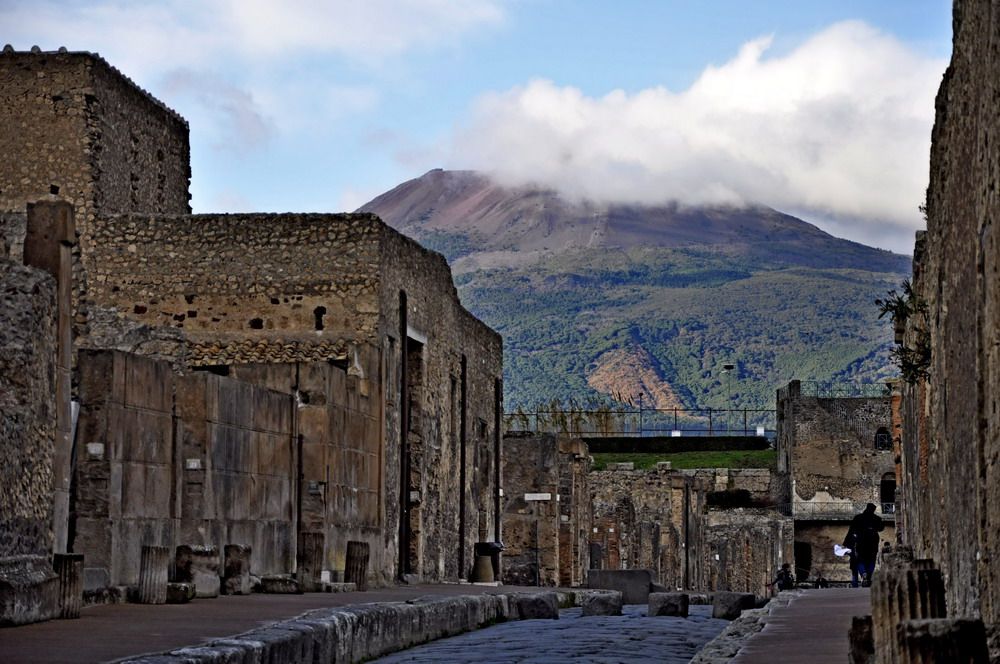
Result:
{"points": [[356, 565], [29, 590], [236, 570], [309, 559], [668, 604], [69, 569], [602, 603], [198, 565], [729, 606], [153, 567]]}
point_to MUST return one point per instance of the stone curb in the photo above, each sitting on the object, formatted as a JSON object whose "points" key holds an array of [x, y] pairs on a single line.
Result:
{"points": [[360, 632], [726, 645]]}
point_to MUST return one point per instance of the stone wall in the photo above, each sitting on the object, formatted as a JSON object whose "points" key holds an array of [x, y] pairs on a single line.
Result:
{"points": [[546, 519], [27, 409], [830, 444], [168, 460], [951, 426], [745, 548], [652, 520]]}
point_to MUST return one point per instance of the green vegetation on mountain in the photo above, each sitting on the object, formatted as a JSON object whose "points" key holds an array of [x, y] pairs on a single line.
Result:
{"points": [[602, 304]]}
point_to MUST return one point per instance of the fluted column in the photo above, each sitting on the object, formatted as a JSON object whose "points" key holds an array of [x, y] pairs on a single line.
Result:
{"points": [[153, 575]]}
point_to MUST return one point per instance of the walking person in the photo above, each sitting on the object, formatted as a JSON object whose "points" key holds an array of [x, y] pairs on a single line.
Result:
{"points": [[864, 533]]}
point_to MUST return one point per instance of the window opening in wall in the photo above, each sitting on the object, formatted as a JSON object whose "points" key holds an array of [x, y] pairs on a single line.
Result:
{"points": [[803, 561], [887, 493], [217, 369], [883, 441], [340, 364], [319, 313], [256, 323]]}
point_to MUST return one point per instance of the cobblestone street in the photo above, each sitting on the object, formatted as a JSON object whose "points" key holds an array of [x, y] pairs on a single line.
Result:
{"points": [[631, 637]]}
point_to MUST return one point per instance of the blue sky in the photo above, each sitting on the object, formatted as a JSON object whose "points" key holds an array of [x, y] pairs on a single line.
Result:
{"points": [[822, 109]]}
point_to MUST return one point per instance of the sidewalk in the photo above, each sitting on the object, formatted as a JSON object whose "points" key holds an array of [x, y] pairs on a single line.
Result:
{"points": [[110, 632], [811, 628]]}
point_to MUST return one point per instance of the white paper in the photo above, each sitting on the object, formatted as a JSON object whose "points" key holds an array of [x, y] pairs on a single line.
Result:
{"points": [[840, 550]]}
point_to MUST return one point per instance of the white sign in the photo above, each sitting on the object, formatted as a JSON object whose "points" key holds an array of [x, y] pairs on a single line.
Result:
{"points": [[675, 434], [537, 496]]}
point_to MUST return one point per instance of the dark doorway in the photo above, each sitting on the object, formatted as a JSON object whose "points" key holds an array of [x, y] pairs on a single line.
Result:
{"points": [[887, 493], [803, 561]]}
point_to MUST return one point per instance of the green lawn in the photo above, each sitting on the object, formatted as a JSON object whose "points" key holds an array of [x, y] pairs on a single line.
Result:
{"points": [[682, 460]]}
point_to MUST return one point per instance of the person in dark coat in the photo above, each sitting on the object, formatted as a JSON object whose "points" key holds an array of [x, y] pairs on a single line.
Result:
{"points": [[864, 533]]}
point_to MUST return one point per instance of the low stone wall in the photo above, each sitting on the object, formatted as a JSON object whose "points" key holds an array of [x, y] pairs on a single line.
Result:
{"points": [[363, 632]]}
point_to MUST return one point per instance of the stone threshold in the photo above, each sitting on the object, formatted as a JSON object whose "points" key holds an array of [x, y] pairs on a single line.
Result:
{"points": [[363, 632]]}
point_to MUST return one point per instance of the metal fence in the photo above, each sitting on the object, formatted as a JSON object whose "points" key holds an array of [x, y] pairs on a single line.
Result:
{"points": [[642, 421], [842, 390]]}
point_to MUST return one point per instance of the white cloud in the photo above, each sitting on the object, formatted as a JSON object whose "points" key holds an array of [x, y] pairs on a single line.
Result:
{"points": [[838, 127]]}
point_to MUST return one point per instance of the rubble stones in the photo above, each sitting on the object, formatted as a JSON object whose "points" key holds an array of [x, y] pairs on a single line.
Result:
{"points": [[669, 604], [180, 593], [236, 570], [279, 584], [199, 565]]}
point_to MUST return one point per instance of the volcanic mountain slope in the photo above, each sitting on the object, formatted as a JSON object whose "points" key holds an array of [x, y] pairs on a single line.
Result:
{"points": [[598, 301]]}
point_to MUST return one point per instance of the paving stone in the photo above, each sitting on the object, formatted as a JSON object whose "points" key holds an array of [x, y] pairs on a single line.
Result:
{"points": [[668, 604]]}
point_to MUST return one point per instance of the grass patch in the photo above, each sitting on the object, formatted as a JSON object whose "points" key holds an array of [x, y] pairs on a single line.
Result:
{"points": [[684, 460]]}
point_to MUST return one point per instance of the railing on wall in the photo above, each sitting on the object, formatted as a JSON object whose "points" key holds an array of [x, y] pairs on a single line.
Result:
{"points": [[844, 390], [641, 421], [839, 510]]}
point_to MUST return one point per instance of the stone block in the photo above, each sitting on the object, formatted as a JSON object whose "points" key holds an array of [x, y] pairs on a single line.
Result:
{"points": [[180, 593], [29, 590], [309, 557], [633, 584], [236, 570], [699, 598], [862, 641], [668, 604], [340, 587], [535, 606], [729, 606], [198, 565], [602, 603], [941, 640], [279, 584]]}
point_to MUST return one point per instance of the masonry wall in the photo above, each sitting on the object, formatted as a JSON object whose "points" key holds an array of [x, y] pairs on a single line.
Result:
{"points": [[745, 548], [546, 539], [830, 444], [168, 460], [27, 409], [447, 505], [652, 520], [951, 426]]}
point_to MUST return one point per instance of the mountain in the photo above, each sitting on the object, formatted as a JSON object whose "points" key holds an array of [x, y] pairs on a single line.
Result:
{"points": [[599, 302]]}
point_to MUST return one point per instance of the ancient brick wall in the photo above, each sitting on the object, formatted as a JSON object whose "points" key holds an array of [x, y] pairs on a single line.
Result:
{"points": [[837, 459], [745, 548], [27, 409], [233, 289], [85, 128], [169, 460], [951, 431], [453, 367], [546, 535], [653, 520]]}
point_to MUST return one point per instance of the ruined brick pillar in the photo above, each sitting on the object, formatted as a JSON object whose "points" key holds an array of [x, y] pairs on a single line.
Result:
{"points": [[48, 245], [941, 640], [309, 559], [236, 569], [356, 567]]}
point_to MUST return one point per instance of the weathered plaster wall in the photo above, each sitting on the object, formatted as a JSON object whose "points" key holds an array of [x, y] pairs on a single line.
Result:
{"points": [[547, 541], [951, 432], [27, 409], [745, 548]]}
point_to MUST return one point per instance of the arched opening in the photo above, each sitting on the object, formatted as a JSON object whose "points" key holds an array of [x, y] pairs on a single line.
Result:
{"points": [[887, 493]]}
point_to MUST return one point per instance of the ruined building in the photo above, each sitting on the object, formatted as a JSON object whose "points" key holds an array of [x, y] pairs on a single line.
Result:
{"points": [[837, 452], [290, 382], [950, 476]]}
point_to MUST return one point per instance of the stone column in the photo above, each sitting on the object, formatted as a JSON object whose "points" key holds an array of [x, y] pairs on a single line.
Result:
{"points": [[48, 245], [236, 570], [356, 565], [902, 591], [69, 569], [153, 575], [941, 640], [309, 561]]}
